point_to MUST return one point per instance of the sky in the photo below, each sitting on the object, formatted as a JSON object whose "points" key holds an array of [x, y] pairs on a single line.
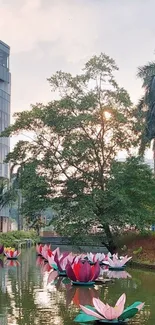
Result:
{"points": [[49, 35]]}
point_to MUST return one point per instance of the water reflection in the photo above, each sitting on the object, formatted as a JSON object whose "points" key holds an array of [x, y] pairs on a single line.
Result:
{"points": [[29, 297], [11, 263], [81, 296], [1, 264], [118, 275]]}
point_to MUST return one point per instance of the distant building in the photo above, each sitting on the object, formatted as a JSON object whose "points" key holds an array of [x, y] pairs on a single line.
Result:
{"points": [[5, 93], [149, 162]]}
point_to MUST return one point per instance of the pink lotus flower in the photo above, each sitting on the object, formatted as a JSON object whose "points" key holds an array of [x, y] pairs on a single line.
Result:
{"points": [[39, 248], [83, 272], [51, 255], [118, 263], [93, 258], [12, 254], [100, 257], [45, 251], [60, 262], [104, 312]]}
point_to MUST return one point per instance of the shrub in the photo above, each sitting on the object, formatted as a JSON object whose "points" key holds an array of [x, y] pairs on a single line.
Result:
{"points": [[10, 238]]}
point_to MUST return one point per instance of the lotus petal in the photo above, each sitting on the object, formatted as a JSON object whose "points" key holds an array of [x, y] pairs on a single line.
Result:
{"points": [[99, 305], [57, 262], [95, 271], [65, 254], [140, 306], [85, 272], [57, 250], [121, 301], [111, 313], [91, 312], [70, 273], [76, 268]]}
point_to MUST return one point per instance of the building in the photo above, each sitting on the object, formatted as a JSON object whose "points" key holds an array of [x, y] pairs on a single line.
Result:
{"points": [[5, 92]]}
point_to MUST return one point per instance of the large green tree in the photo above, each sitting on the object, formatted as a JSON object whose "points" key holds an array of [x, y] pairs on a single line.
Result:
{"points": [[146, 106], [76, 141]]}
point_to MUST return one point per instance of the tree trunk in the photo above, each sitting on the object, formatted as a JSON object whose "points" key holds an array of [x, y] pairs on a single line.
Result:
{"points": [[109, 243], [38, 230]]}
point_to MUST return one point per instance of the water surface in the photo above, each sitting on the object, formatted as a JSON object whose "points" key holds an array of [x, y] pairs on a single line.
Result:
{"points": [[27, 299]]}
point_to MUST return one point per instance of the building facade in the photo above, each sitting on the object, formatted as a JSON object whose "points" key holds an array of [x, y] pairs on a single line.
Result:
{"points": [[5, 93]]}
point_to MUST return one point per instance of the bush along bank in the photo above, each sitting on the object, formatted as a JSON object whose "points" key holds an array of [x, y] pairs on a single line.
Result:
{"points": [[13, 238]]}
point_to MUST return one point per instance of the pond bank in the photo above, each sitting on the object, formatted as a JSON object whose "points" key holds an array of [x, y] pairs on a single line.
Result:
{"points": [[141, 247]]}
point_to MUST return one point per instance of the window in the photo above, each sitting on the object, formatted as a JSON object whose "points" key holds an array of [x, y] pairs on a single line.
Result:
{"points": [[4, 59]]}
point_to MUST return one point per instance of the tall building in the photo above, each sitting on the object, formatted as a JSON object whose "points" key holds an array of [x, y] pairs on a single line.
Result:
{"points": [[5, 92]]}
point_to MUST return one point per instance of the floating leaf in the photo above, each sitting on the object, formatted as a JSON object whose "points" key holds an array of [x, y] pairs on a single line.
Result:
{"points": [[83, 318], [128, 313]]}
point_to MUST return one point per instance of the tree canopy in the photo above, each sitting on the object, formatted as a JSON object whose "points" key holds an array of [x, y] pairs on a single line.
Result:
{"points": [[146, 105], [76, 140]]}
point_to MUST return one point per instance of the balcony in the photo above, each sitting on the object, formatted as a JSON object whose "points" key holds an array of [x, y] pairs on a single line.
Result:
{"points": [[4, 74]]}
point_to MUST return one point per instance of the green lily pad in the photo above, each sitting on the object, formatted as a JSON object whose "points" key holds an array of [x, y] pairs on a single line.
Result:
{"points": [[130, 308], [115, 321], [54, 267], [121, 268], [128, 313], [134, 305], [83, 318], [83, 283], [62, 273], [66, 281]]}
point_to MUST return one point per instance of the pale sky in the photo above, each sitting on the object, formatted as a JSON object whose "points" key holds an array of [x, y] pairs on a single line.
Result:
{"points": [[49, 35]]}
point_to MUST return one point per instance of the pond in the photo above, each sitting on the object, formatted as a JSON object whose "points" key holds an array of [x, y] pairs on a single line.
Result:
{"points": [[27, 299]]}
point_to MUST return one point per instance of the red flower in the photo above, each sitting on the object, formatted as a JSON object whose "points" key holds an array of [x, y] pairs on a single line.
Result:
{"points": [[83, 272]]}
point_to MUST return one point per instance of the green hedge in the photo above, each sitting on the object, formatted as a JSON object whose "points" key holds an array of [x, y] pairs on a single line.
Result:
{"points": [[9, 239]]}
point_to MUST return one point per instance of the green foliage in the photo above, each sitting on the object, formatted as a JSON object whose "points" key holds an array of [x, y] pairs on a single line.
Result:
{"points": [[7, 194], [9, 239], [146, 105], [138, 251], [76, 142], [34, 191]]}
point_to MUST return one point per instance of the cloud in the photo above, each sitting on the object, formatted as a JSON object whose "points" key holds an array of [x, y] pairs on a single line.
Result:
{"points": [[48, 35]]}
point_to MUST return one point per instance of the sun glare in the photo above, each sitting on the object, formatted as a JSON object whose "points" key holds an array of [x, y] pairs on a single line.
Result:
{"points": [[107, 115]]}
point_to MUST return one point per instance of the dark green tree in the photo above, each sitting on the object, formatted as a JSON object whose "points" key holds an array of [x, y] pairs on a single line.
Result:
{"points": [[76, 141], [146, 106], [7, 193]]}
